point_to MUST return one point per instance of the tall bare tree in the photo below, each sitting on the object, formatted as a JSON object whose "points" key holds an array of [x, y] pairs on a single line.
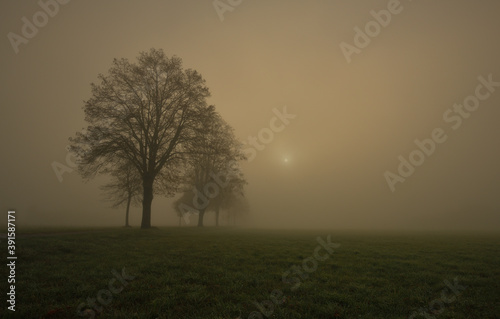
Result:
{"points": [[125, 188], [144, 113]]}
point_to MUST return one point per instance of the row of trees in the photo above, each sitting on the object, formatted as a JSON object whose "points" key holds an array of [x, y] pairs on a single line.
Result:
{"points": [[151, 129]]}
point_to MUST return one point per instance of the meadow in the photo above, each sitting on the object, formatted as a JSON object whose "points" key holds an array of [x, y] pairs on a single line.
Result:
{"points": [[188, 272]]}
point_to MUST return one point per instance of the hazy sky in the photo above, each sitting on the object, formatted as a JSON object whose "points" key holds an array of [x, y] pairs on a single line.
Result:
{"points": [[352, 120]]}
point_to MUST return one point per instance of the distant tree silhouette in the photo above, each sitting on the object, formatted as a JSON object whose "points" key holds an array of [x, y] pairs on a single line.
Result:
{"points": [[185, 199], [144, 113], [213, 168], [125, 188], [230, 196], [236, 206], [230, 199]]}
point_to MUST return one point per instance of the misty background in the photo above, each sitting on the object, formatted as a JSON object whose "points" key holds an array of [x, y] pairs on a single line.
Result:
{"points": [[326, 168]]}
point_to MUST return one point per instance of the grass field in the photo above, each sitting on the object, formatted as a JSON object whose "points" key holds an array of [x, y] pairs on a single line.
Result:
{"points": [[236, 273]]}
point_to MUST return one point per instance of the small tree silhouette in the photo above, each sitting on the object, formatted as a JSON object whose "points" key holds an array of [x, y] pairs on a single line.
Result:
{"points": [[125, 188]]}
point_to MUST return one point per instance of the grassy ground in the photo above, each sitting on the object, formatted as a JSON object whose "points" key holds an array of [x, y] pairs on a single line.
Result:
{"points": [[231, 273]]}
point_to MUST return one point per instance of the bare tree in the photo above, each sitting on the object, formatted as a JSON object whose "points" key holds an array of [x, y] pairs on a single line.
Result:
{"points": [[230, 199], [144, 113], [229, 196], [236, 206], [125, 188], [179, 203], [213, 165]]}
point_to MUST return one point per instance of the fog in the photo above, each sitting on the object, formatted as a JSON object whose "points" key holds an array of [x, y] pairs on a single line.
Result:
{"points": [[350, 115]]}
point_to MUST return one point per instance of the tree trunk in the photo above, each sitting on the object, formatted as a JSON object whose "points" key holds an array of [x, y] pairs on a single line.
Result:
{"points": [[146, 202], [128, 209], [180, 220], [200, 217], [217, 216]]}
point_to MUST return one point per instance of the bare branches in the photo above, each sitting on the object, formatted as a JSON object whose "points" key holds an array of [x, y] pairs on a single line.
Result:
{"points": [[125, 184]]}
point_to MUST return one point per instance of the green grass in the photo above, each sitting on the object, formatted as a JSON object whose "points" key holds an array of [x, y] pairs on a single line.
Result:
{"points": [[219, 273]]}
